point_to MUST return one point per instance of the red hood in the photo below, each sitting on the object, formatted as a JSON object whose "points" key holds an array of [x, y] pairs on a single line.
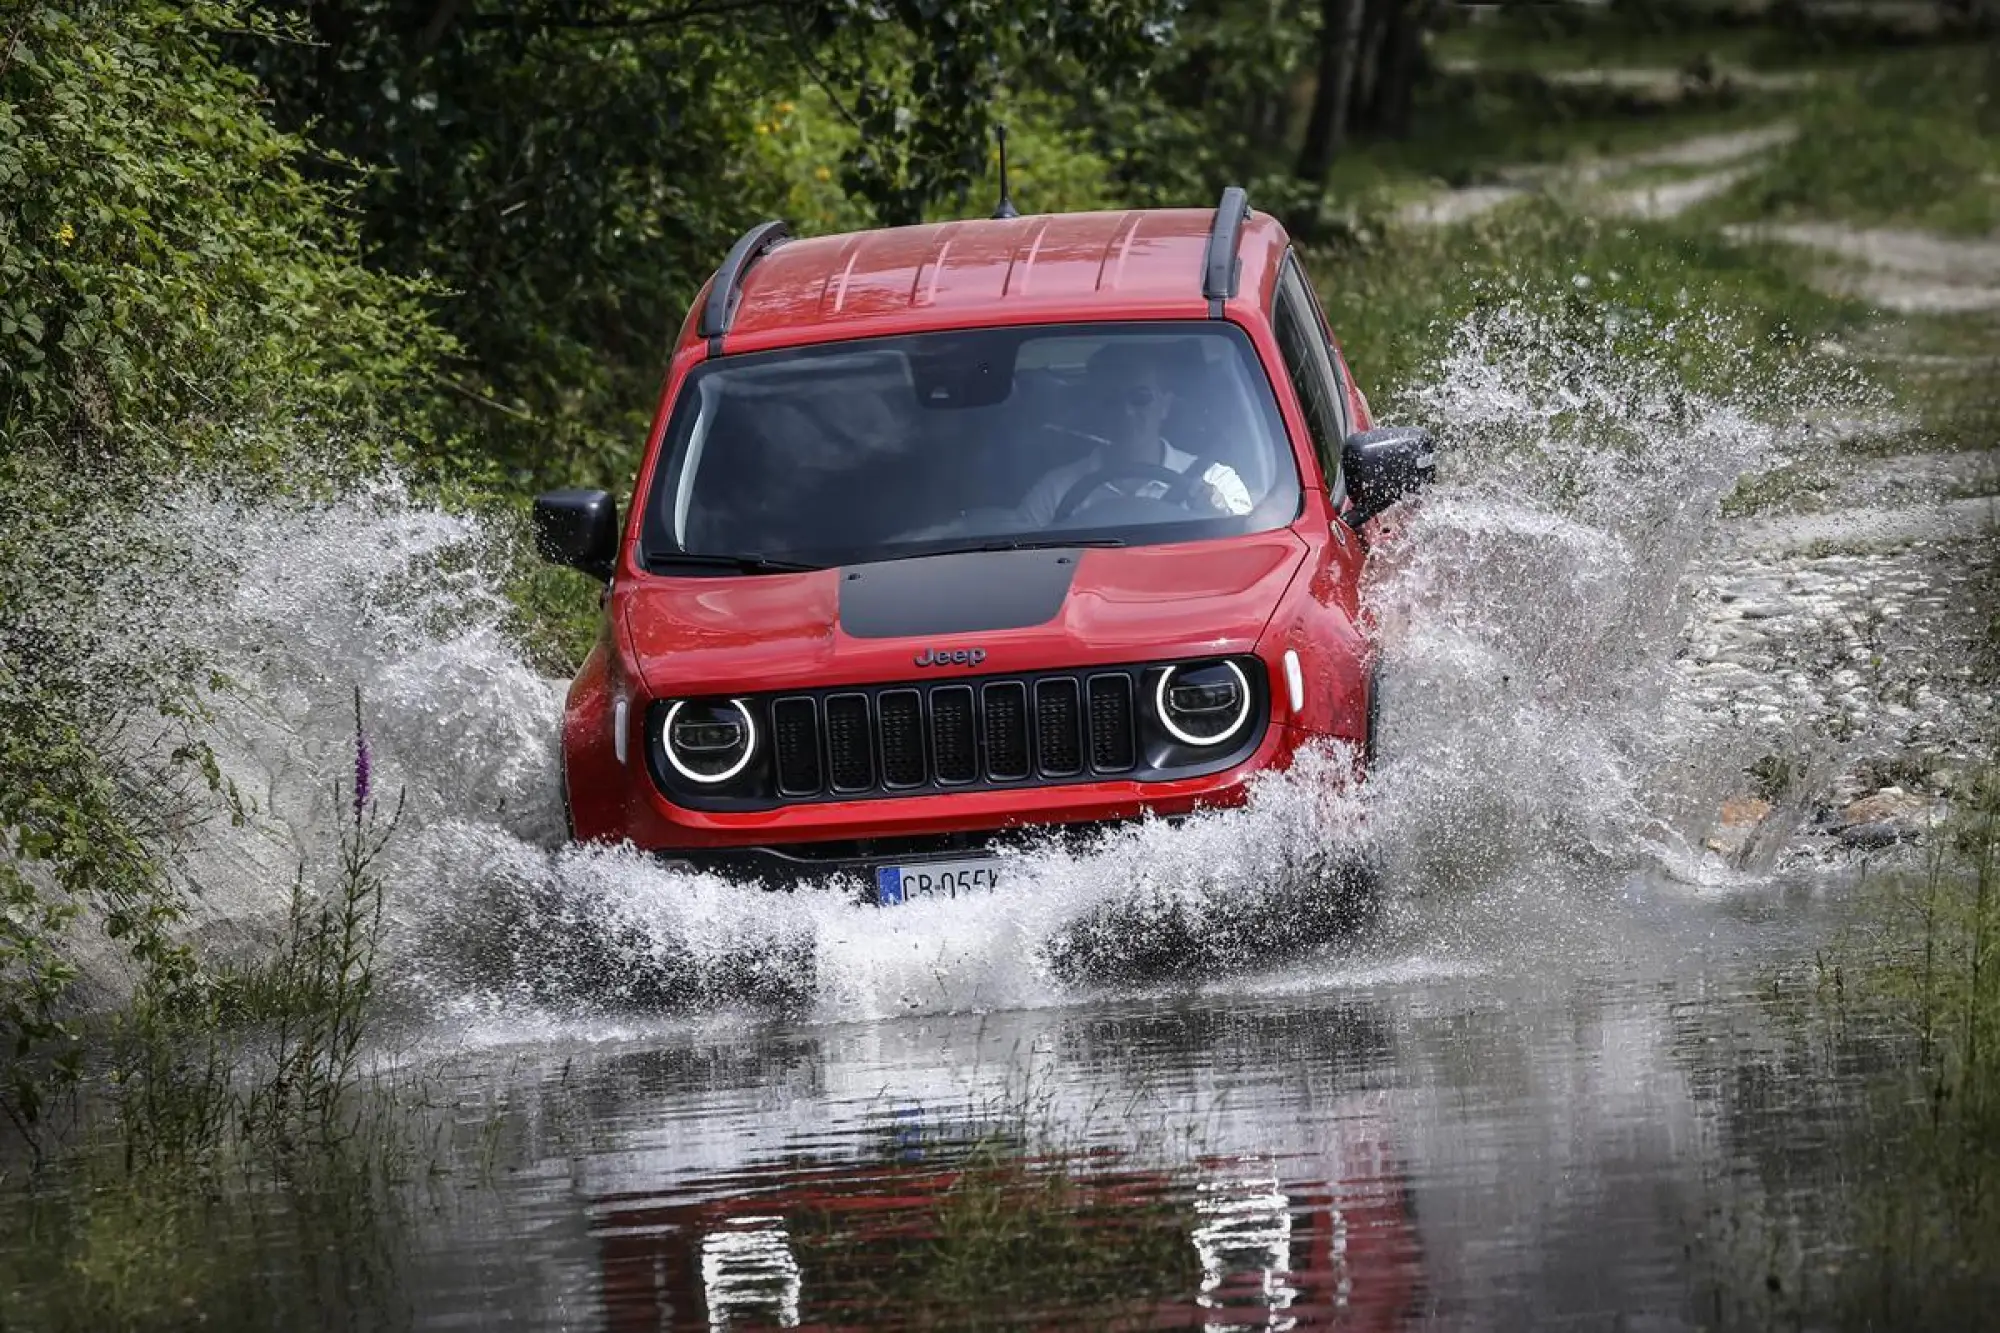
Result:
{"points": [[786, 631]]}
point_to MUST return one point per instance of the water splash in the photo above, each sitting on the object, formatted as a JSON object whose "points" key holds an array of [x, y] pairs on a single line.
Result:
{"points": [[1535, 724], [1535, 737]]}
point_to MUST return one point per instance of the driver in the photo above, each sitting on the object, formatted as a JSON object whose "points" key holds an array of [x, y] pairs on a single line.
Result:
{"points": [[1129, 382]]}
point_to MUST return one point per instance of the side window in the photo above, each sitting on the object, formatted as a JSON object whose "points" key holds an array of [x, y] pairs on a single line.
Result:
{"points": [[1296, 325]]}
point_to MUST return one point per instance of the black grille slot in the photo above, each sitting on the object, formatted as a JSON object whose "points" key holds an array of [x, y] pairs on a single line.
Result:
{"points": [[850, 753], [1111, 724], [1006, 706], [1058, 728], [954, 737], [900, 716], [795, 731]]}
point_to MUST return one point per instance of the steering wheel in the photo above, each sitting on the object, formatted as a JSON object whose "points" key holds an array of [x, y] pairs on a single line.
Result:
{"points": [[1179, 484]]}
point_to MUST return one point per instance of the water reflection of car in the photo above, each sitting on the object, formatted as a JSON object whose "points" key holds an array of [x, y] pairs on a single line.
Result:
{"points": [[943, 531], [1269, 1246]]}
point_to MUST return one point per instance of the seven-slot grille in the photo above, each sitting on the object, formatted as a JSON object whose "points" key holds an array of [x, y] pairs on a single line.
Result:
{"points": [[905, 737]]}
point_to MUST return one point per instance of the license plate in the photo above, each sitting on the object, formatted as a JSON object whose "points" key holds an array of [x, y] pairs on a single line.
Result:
{"points": [[935, 879]]}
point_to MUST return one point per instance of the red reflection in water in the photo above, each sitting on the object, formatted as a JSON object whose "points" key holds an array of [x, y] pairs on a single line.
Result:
{"points": [[1276, 1249]]}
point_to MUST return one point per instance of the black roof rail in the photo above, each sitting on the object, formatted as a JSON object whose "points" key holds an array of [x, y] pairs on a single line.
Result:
{"points": [[720, 311], [1221, 267]]}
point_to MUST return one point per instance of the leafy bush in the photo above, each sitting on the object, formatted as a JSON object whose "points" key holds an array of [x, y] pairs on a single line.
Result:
{"points": [[176, 298], [169, 276]]}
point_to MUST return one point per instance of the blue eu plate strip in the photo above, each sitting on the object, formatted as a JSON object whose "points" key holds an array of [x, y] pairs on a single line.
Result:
{"points": [[889, 885]]}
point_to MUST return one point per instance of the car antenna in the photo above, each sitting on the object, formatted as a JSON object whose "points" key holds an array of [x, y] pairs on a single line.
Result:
{"points": [[1006, 209]]}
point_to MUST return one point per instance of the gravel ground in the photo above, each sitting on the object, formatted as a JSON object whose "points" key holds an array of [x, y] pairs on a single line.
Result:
{"points": [[1731, 153], [1910, 272]]}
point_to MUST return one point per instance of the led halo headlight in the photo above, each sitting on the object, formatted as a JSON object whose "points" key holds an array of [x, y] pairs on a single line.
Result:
{"points": [[697, 760], [1173, 718]]}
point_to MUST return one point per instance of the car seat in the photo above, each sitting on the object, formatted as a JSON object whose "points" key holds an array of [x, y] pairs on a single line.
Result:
{"points": [[1207, 416]]}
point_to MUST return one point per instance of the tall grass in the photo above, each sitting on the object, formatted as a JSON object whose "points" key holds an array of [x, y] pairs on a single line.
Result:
{"points": [[1006, 1217], [1911, 139], [1925, 1160], [322, 980]]}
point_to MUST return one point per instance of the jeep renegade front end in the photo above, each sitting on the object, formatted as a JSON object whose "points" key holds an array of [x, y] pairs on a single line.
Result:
{"points": [[947, 531]]}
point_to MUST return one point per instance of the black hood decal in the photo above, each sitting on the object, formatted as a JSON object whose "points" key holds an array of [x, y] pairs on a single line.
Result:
{"points": [[966, 592]]}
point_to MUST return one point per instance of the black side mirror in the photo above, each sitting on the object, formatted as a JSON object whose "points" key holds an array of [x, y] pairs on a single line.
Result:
{"points": [[578, 529], [1384, 465]]}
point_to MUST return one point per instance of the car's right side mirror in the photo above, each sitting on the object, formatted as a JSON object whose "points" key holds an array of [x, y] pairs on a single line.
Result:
{"points": [[579, 529], [1384, 465]]}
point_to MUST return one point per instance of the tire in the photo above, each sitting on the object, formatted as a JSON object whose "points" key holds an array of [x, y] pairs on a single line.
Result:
{"points": [[1146, 937]]}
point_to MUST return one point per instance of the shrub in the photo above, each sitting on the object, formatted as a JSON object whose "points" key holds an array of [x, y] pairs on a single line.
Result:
{"points": [[175, 297]]}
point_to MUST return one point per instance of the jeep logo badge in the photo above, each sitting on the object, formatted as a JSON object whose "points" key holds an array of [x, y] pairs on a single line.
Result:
{"points": [[937, 657]]}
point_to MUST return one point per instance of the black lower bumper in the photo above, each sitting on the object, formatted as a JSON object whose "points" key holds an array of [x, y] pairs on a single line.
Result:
{"points": [[788, 865]]}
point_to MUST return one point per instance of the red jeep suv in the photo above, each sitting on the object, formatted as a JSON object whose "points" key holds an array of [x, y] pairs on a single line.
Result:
{"points": [[949, 531]]}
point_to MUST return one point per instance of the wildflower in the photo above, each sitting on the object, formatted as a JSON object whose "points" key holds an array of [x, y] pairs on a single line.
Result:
{"points": [[65, 234], [364, 762]]}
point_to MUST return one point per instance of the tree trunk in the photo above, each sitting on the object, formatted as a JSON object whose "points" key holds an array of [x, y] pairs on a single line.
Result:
{"points": [[1326, 126], [1367, 65], [1401, 65]]}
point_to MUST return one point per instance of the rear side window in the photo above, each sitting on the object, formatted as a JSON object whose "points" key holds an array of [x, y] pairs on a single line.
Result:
{"points": [[1313, 377]]}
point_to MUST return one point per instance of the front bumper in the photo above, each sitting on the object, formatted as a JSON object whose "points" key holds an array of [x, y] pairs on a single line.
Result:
{"points": [[855, 860]]}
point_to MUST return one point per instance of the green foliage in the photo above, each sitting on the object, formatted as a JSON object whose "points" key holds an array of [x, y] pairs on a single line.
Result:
{"points": [[1913, 140], [797, 146], [112, 1244], [168, 273], [78, 810], [1929, 954], [1052, 166], [1216, 105], [175, 296], [324, 977], [1741, 310], [924, 90]]}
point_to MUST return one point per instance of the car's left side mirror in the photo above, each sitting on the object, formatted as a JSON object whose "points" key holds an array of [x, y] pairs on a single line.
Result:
{"points": [[1384, 465], [578, 529]]}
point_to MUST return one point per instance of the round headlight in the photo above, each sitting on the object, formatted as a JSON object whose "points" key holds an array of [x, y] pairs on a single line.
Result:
{"points": [[1204, 705], [708, 742]]}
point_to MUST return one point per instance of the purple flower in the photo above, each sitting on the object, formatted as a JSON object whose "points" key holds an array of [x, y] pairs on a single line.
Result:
{"points": [[364, 763]]}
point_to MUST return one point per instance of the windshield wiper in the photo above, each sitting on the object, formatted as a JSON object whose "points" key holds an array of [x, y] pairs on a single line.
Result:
{"points": [[749, 562], [1052, 544]]}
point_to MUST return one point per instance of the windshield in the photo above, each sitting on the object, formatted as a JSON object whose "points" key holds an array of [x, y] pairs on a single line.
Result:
{"points": [[878, 449]]}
